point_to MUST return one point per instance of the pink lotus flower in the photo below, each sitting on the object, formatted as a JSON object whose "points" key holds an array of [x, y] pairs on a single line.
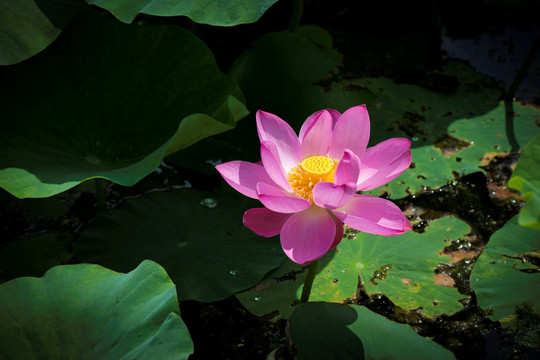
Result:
{"points": [[308, 183]]}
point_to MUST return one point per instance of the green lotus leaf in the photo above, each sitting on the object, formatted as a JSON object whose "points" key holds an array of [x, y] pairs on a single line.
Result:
{"points": [[342, 332], [280, 290], [451, 131], [278, 60], [243, 142], [476, 140], [424, 114], [108, 100], [526, 178], [506, 273], [317, 34], [400, 267], [88, 312], [34, 254], [291, 89], [212, 12], [487, 134], [29, 26], [197, 236]]}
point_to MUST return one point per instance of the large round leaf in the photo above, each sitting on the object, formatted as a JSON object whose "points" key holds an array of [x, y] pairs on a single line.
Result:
{"points": [[108, 100], [279, 72], [487, 134], [451, 131], [506, 273], [526, 178], [475, 138], [280, 290], [29, 26], [400, 267], [89, 312], [335, 331], [205, 248], [424, 113], [212, 12], [274, 76]]}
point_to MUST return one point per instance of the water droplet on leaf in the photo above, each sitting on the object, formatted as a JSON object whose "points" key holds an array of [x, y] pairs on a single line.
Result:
{"points": [[233, 272], [257, 298]]}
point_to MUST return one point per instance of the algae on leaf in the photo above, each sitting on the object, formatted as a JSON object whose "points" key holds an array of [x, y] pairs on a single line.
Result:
{"points": [[471, 138], [451, 131], [400, 267]]}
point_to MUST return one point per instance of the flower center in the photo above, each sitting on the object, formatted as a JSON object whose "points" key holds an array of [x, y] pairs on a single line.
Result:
{"points": [[309, 172]]}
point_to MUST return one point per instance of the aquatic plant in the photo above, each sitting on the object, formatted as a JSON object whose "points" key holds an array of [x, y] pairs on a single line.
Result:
{"points": [[308, 184], [120, 239]]}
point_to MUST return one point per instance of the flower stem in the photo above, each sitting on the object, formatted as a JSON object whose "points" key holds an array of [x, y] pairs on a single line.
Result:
{"points": [[298, 9], [508, 96], [306, 291]]}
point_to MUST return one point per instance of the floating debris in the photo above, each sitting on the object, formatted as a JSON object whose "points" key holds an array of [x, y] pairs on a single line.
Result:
{"points": [[209, 203]]}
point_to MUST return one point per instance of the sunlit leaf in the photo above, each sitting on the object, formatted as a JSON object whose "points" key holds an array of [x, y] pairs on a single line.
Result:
{"points": [[108, 100], [487, 134], [89, 312], [506, 273], [526, 178], [400, 267], [198, 237], [342, 332], [473, 140], [424, 114], [451, 131]]}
